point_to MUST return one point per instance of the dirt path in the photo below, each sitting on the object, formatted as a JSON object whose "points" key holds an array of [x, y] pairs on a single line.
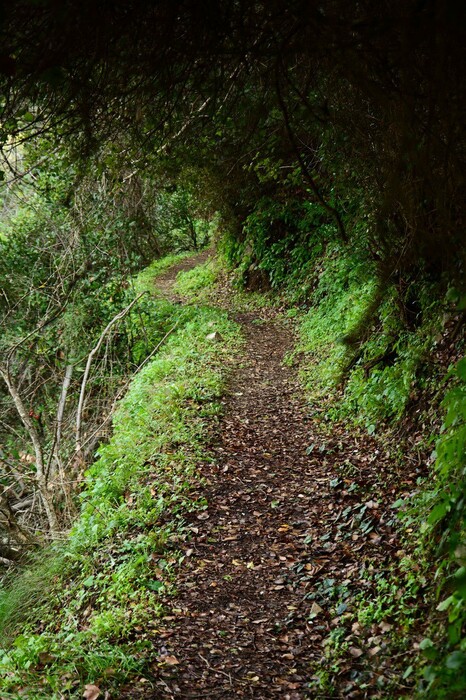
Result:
{"points": [[166, 280], [276, 559], [242, 632]]}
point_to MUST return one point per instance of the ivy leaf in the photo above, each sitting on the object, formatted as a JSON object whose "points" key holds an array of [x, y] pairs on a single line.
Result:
{"points": [[461, 369], [445, 604], [438, 512], [155, 585], [428, 649], [455, 660]]}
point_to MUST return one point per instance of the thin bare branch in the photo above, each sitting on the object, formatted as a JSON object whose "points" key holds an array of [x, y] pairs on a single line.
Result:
{"points": [[90, 358]]}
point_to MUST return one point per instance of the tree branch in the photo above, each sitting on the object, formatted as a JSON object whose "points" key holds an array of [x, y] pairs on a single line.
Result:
{"points": [[90, 358], [28, 423], [304, 169]]}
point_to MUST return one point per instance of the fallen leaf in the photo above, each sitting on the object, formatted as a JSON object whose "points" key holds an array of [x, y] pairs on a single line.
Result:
{"points": [[385, 626], [91, 692], [215, 336], [169, 660], [316, 609], [355, 652]]}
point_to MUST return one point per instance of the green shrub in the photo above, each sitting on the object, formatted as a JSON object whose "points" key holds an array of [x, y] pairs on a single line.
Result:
{"points": [[441, 514], [343, 289]]}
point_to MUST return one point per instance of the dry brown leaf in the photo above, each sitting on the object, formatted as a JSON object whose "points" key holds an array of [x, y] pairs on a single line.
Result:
{"points": [[374, 651], [91, 692], [385, 626], [169, 660], [355, 652]]}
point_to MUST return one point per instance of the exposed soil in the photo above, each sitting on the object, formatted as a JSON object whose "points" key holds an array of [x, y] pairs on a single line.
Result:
{"points": [[296, 517]]}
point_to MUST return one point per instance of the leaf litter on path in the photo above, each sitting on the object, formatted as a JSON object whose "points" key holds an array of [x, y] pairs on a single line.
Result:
{"points": [[275, 561]]}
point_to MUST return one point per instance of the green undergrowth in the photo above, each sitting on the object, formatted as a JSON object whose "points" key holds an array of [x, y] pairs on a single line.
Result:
{"points": [[241, 301], [197, 284], [438, 515], [213, 283], [371, 381], [419, 599], [342, 291], [146, 279], [375, 370], [375, 384], [87, 606]]}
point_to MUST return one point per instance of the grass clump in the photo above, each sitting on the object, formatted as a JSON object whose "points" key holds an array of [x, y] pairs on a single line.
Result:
{"points": [[196, 284], [146, 279]]}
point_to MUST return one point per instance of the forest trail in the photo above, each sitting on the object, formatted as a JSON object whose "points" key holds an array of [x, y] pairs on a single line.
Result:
{"points": [[276, 557], [166, 280]]}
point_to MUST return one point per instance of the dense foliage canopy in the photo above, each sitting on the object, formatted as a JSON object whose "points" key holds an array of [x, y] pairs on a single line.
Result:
{"points": [[365, 99]]}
